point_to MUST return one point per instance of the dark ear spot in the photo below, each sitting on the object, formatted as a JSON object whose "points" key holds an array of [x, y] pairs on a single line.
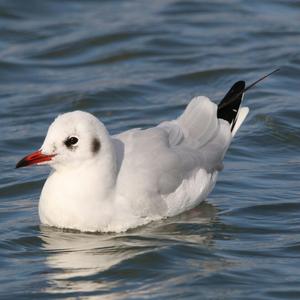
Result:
{"points": [[95, 146]]}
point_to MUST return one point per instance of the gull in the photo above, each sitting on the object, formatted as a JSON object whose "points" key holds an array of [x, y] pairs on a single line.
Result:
{"points": [[111, 183]]}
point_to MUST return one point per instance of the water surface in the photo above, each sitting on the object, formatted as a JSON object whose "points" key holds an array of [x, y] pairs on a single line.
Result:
{"points": [[134, 64]]}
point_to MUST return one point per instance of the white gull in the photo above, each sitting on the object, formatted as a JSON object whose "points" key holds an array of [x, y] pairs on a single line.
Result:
{"points": [[110, 183]]}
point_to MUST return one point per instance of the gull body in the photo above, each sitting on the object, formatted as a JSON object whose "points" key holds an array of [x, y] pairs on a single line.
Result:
{"points": [[110, 183]]}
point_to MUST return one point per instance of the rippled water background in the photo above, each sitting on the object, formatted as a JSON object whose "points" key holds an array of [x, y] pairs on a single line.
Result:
{"points": [[134, 64]]}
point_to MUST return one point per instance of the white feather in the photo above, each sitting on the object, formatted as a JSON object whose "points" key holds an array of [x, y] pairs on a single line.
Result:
{"points": [[241, 116]]}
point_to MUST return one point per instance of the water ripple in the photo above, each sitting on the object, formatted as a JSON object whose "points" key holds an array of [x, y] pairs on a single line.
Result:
{"points": [[134, 64]]}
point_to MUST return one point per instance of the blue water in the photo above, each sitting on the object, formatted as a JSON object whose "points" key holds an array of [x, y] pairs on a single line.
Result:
{"points": [[134, 64]]}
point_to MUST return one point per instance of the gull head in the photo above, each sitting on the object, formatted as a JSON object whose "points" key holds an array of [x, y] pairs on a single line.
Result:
{"points": [[72, 139]]}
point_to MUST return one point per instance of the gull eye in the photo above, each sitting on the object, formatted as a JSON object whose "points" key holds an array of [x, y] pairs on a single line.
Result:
{"points": [[71, 141]]}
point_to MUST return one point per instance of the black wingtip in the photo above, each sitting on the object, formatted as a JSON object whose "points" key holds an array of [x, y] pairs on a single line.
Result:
{"points": [[229, 106], [260, 79]]}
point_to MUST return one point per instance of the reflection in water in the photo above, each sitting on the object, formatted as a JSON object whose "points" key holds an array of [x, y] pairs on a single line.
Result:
{"points": [[85, 262]]}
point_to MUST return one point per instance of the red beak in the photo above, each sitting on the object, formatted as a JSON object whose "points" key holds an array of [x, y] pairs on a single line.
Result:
{"points": [[34, 158]]}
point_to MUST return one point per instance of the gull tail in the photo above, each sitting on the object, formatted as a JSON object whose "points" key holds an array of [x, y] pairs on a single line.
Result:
{"points": [[229, 108]]}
